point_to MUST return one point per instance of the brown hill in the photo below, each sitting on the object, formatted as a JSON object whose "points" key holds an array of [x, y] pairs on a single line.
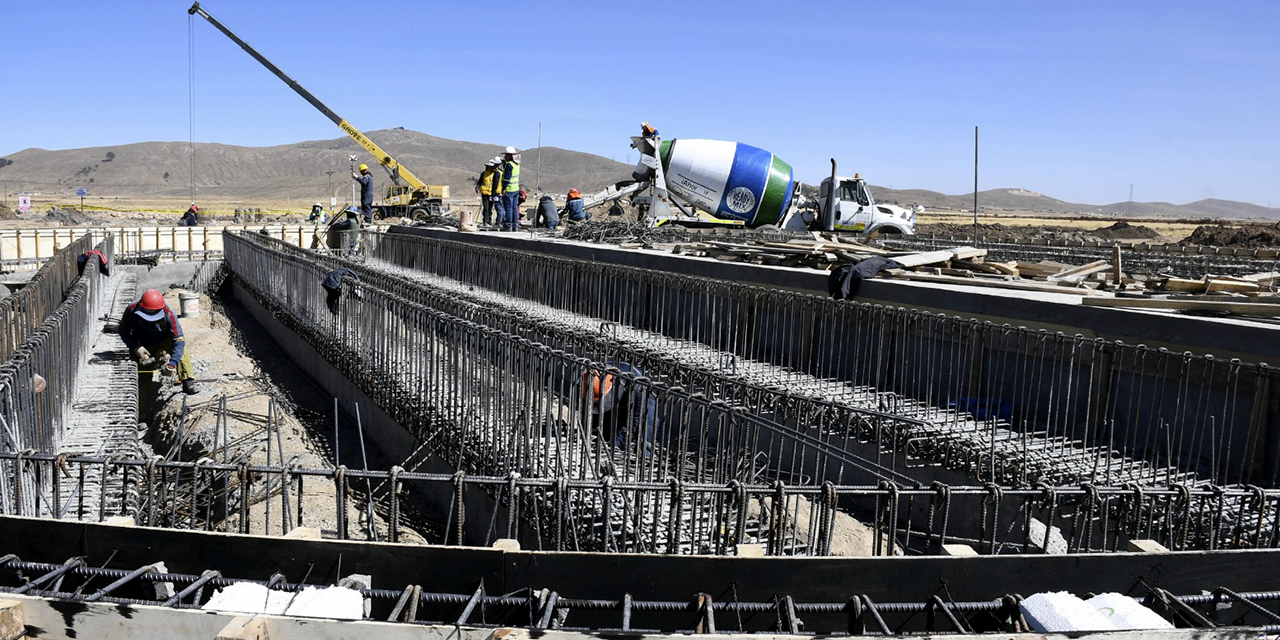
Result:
{"points": [[286, 171]]}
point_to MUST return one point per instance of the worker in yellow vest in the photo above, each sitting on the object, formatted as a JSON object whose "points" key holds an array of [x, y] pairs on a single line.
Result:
{"points": [[509, 191], [484, 187]]}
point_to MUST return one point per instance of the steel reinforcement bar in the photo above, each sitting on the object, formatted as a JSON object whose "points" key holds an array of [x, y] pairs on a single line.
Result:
{"points": [[1175, 260], [1193, 412], [23, 313], [573, 515], [541, 607]]}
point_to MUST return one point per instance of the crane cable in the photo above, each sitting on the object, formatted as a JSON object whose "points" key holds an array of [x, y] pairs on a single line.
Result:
{"points": [[191, 103]]}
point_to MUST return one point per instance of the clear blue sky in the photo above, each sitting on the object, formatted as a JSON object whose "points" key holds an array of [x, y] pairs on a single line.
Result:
{"points": [[1076, 100]]}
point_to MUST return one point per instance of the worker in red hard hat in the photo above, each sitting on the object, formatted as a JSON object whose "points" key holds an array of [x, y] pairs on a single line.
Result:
{"points": [[191, 218], [149, 329], [623, 411]]}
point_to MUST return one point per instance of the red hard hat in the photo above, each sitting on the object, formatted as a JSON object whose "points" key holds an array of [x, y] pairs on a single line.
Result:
{"points": [[194, 207], [152, 300]]}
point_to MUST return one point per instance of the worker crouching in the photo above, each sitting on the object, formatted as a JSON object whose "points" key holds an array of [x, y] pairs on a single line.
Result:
{"points": [[151, 331], [623, 411], [573, 209]]}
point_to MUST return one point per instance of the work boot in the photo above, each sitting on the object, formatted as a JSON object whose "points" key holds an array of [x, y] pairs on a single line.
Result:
{"points": [[190, 387]]}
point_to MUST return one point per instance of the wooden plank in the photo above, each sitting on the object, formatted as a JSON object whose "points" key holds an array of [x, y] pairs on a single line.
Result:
{"points": [[1262, 278], [1166, 304], [921, 259], [1183, 284], [245, 628], [1092, 267], [1023, 285], [1216, 285]]}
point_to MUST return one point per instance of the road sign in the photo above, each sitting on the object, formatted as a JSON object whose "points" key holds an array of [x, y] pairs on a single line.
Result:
{"points": [[24, 203], [82, 192]]}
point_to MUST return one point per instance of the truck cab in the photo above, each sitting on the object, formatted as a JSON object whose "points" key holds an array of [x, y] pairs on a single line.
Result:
{"points": [[856, 210]]}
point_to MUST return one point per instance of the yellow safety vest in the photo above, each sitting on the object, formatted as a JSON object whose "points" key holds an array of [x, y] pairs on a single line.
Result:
{"points": [[486, 183], [514, 185]]}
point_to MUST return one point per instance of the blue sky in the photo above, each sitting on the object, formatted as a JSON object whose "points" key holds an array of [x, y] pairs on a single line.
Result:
{"points": [[1076, 100]]}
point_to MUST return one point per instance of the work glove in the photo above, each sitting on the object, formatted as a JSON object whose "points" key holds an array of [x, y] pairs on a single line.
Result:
{"points": [[494, 198], [141, 353]]}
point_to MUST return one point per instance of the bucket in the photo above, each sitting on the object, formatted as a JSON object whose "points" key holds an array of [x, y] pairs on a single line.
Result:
{"points": [[190, 303]]}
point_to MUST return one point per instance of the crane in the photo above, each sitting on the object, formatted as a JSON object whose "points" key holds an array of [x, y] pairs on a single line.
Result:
{"points": [[407, 196]]}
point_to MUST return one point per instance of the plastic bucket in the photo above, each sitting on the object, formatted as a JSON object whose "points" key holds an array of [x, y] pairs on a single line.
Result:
{"points": [[190, 303]]}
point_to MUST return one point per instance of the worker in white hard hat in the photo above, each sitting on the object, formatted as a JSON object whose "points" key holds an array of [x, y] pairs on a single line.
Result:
{"points": [[366, 192], [509, 190], [317, 210], [484, 187]]}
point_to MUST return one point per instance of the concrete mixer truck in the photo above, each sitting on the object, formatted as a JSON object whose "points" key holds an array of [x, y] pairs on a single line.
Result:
{"points": [[738, 184]]}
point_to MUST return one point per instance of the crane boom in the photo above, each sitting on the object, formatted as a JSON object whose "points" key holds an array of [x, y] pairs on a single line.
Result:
{"points": [[397, 171]]}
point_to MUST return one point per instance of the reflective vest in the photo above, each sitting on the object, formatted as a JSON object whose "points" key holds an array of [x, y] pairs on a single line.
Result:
{"points": [[514, 181], [486, 183]]}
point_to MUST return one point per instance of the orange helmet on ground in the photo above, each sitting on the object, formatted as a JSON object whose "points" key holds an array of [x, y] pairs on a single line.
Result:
{"points": [[152, 300]]}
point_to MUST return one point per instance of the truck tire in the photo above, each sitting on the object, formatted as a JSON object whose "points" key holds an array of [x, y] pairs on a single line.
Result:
{"points": [[418, 213]]}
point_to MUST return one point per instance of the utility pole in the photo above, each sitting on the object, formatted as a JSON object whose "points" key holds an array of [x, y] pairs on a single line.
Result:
{"points": [[330, 192], [975, 184], [1130, 198], [538, 164]]}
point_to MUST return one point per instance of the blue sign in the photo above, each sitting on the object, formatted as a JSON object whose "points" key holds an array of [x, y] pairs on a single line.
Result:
{"points": [[82, 192]]}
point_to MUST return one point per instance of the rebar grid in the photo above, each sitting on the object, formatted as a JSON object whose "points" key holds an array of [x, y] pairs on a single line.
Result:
{"points": [[574, 514], [23, 313], [1174, 411], [38, 378], [538, 608], [1175, 260]]}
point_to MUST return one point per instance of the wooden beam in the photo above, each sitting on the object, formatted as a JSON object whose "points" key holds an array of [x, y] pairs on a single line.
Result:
{"points": [[1024, 285], [245, 628]]}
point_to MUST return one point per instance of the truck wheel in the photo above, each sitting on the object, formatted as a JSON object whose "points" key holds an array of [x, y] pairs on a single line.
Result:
{"points": [[418, 214], [769, 228]]}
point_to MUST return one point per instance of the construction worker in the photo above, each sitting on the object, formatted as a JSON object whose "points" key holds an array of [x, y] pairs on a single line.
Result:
{"points": [[366, 192], [573, 210], [484, 187], [547, 213], [509, 190], [349, 230], [620, 409], [149, 329], [191, 218], [317, 212]]}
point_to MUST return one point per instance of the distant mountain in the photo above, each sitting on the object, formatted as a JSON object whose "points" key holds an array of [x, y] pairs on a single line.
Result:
{"points": [[1023, 200], [297, 171], [288, 171]]}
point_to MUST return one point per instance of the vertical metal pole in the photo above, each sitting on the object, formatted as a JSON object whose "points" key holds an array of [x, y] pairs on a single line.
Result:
{"points": [[975, 184], [537, 169]]}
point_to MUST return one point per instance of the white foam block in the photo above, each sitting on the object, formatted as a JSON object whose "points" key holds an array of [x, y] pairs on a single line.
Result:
{"points": [[330, 602], [1127, 613], [1060, 611]]}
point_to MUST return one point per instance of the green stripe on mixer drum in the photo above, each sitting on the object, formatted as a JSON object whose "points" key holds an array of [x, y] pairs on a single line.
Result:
{"points": [[775, 193], [664, 152]]}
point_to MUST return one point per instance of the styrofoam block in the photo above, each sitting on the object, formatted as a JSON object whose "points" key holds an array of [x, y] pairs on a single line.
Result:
{"points": [[330, 602], [1126, 613], [1060, 611]]}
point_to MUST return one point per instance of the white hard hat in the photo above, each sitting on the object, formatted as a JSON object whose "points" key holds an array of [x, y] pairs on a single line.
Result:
{"points": [[510, 150], [497, 160], [492, 162]]}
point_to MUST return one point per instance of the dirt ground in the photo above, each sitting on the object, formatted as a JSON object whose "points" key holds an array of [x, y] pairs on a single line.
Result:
{"points": [[1171, 230], [1246, 236], [1119, 230], [233, 358]]}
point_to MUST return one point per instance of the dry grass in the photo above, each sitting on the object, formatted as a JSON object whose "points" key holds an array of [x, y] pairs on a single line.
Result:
{"points": [[1172, 229]]}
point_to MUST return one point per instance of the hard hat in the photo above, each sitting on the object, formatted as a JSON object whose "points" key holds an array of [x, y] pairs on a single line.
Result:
{"points": [[317, 205], [510, 150], [194, 207], [574, 193], [364, 167], [497, 160], [152, 300], [597, 388], [493, 162]]}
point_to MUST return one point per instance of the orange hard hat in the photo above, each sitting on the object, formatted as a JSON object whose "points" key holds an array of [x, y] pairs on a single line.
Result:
{"points": [[597, 388], [152, 300], [574, 193]]}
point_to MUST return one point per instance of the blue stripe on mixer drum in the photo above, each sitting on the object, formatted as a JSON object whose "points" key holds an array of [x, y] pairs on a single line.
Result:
{"points": [[745, 187]]}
